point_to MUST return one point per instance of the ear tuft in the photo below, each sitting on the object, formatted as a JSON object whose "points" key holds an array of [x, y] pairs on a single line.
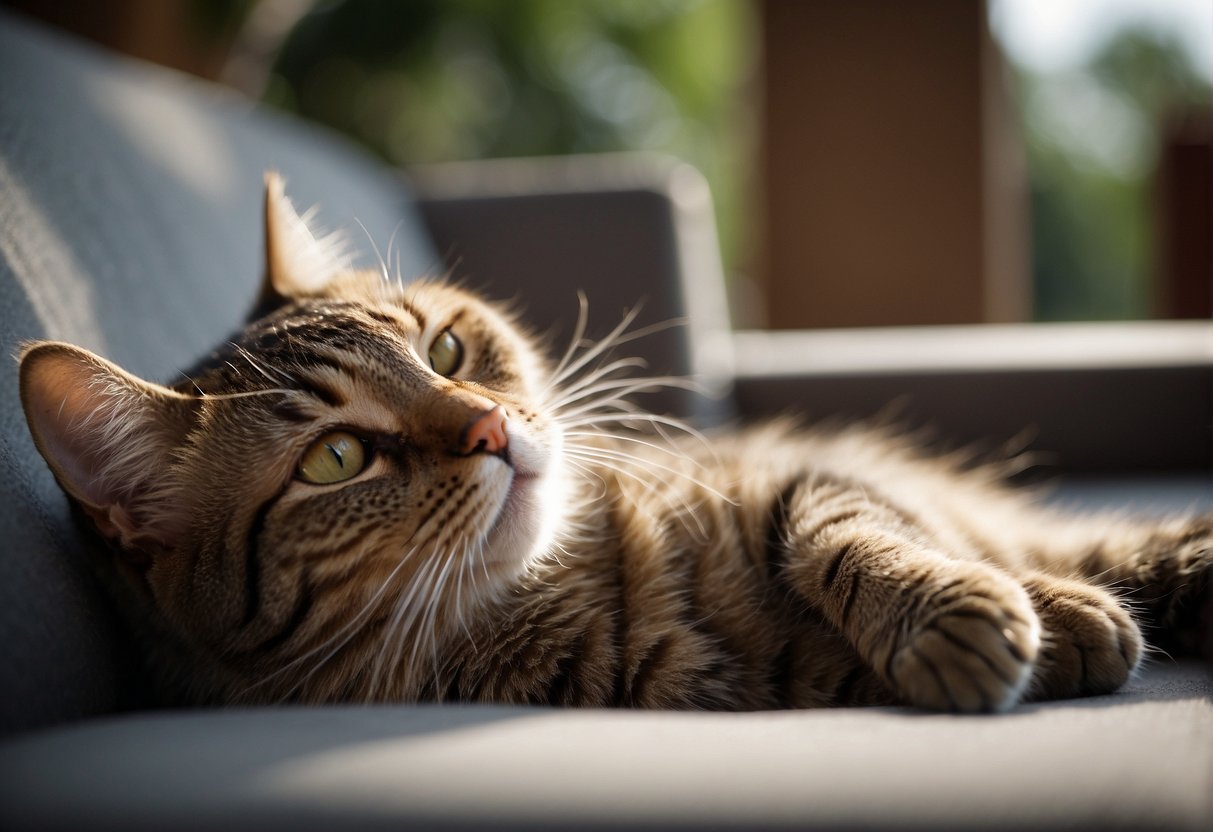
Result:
{"points": [[107, 435], [297, 263]]}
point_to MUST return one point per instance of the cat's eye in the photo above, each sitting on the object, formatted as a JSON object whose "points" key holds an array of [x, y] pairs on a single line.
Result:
{"points": [[334, 457], [446, 353]]}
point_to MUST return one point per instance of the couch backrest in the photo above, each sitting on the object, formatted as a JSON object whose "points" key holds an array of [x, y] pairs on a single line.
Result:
{"points": [[129, 224]]}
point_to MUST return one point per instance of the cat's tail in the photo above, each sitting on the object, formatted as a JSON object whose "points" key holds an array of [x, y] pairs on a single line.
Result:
{"points": [[1164, 572]]}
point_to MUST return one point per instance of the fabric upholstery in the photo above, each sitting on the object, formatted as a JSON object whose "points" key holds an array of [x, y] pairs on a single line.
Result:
{"points": [[1142, 759]]}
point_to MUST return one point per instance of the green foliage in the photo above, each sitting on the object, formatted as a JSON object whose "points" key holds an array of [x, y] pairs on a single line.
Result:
{"points": [[438, 80], [1092, 142]]}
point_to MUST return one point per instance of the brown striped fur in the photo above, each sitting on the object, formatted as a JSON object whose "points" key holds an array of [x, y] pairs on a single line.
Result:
{"points": [[598, 562]]}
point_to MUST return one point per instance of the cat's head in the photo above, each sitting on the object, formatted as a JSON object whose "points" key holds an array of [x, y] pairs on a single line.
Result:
{"points": [[347, 475]]}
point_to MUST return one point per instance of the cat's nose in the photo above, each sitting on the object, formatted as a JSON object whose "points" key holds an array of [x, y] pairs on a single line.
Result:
{"points": [[485, 433]]}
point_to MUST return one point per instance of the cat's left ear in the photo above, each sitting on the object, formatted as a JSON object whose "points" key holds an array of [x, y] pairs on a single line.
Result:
{"points": [[297, 263], [109, 437]]}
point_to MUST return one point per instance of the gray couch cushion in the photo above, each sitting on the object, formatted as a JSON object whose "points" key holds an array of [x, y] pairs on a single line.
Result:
{"points": [[129, 224], [1142, 759]]}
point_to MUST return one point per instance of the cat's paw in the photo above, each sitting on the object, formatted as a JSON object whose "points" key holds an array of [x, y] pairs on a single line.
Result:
{"points": [[1090, 643], [974, 651]]}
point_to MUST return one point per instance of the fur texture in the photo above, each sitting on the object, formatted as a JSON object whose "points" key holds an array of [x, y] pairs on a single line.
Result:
{"points": [[589, 554]]}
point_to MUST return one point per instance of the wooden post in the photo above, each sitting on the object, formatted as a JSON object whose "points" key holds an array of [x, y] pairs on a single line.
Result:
{"points": [[893, 183]]}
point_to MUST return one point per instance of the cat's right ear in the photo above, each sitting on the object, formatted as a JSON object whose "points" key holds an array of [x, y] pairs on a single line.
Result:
{"points": [[109, 438], [297, 263]]}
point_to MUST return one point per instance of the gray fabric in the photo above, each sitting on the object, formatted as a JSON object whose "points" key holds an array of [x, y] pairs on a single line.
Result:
{"points": [[1141, 759], [130, 223]]}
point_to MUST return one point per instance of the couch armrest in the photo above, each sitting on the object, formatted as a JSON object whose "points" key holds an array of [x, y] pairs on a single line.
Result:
{"points": [[625, 228], [1124, 397]]}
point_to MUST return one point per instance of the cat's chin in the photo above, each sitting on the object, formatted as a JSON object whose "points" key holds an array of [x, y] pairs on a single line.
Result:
{"points": [[529, 515]]}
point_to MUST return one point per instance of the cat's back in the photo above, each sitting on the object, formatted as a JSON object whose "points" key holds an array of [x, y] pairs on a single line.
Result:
{"points": [[727, 486]]}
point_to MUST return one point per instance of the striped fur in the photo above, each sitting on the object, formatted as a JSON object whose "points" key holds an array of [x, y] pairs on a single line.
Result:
{"points": [[608, 559]]}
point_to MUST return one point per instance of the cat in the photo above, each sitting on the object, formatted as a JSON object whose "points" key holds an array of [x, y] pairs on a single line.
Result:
{"points": [[386, 492]]}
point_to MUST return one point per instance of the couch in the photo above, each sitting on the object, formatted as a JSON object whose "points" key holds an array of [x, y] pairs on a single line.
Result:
{"points": [[129, 224]]}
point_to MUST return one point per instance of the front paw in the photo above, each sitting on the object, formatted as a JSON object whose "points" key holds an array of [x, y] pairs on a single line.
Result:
{"points": [[973, 649]]}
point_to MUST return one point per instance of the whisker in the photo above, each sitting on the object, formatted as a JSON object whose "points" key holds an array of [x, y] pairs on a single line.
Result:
{"points": [[675, 502], [340, 638], [656, 421], [466, 566], [256, 365], [371, 239], [616, 455], [429, 618], [586, 469], [646, 331], [617, 400], [635, 384], [618, 337], [219, 397], [596, 350], [391, 242], [652, 418], [583, 314], [621, 437], [596, 374], [402, 627]]}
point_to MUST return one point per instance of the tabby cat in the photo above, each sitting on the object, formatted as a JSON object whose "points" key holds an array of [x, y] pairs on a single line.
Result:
{"points": [[384, 492]]}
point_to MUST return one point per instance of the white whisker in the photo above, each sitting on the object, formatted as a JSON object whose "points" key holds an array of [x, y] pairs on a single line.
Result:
{"points": [[602, 370], [596, 350], [256, 365], [219, 397], [674, 501], [595, 375], [583, 310], [371, 239], [616, 455], [622, 388], [338, 640], [401, 627], [620, 437], [429, 619]]}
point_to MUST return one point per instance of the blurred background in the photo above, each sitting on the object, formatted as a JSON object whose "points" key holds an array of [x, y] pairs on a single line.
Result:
{"points": [[873, 163]]}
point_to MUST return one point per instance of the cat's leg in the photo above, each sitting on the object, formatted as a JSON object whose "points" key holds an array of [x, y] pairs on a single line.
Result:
{"points": [[944, 632]]}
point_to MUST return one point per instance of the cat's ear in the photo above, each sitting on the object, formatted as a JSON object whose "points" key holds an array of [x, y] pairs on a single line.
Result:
{"points": [[109, 438], [297, 263]]}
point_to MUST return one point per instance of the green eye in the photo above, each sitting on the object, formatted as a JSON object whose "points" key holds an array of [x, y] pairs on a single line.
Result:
{"points": [[334, 457], [446, 353]]}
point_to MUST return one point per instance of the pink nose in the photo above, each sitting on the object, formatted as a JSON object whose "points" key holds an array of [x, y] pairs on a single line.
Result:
{"points": [[486, 434]]}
